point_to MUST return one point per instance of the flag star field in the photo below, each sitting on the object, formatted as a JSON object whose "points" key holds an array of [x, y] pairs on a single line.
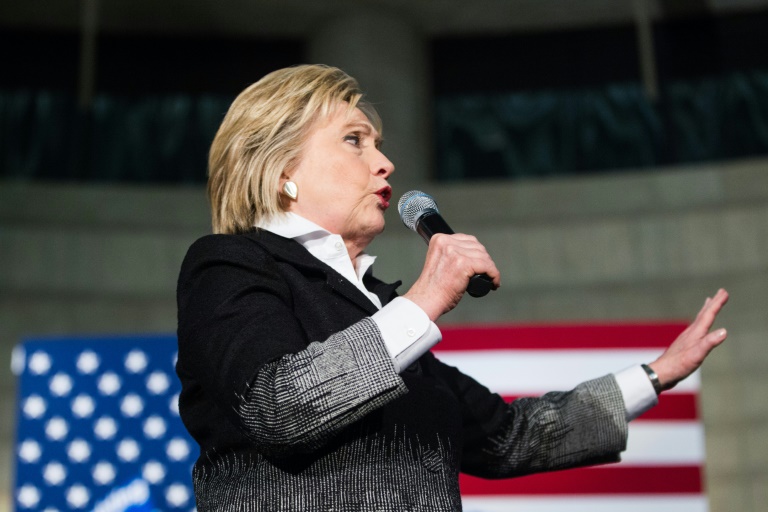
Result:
{"points": [[99, 427]]}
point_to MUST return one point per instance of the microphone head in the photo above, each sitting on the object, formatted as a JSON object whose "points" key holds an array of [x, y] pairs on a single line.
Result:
{"points": [[413, 205]]}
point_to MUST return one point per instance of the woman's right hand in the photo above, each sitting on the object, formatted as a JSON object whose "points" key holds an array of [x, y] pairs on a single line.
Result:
{"points": [[451, 261]]}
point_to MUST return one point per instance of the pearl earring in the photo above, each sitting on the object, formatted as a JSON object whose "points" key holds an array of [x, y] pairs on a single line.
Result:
{"points": [[291, 190]]}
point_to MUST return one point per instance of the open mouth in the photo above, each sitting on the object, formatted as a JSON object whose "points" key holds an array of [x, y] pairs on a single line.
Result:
{"points": [[385, 194]]}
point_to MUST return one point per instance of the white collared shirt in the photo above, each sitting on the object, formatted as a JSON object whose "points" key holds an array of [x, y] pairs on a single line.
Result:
{"points": [[326, 247], [406, 329]]}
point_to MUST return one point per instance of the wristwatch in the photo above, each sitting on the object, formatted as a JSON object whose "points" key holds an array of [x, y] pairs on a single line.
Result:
{"points": [[653, 378]]}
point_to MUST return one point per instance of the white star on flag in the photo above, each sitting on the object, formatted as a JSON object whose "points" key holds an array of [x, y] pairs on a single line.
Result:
{"points": [[88, 362], [105, 428], [28, 496], [29, 451], [136, 361], [109, 383], [157, 383], [39, 363], [61, 384], [54, 473], [103, 473], [79, 450], [153, 472], [57, 429], [78, 496], [34, 406], [83, 406]]}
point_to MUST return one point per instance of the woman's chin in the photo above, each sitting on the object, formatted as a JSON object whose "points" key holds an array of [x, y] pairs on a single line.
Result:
{"points": [[375, 228]]}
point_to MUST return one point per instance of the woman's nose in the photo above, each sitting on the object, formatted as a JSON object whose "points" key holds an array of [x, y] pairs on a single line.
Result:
{"points": [[382, 166]]}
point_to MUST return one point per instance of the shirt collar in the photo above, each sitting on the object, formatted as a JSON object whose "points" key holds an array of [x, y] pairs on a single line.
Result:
{"points": [[291, 225], [325, 246], [311, 236]]}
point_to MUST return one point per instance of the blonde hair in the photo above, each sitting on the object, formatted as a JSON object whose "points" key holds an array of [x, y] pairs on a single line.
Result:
{"points": [[262, 135]]}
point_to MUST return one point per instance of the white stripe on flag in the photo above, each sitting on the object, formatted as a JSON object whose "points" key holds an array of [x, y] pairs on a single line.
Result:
{"points": [[661, 443], [630, 503], [519, 372]]}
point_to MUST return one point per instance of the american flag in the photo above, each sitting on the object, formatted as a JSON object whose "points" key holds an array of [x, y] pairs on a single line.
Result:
{"points": [[98, 425], [663, 466]]}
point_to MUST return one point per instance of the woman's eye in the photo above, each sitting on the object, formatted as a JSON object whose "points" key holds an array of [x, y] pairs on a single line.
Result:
{"points": [[353, 139]]}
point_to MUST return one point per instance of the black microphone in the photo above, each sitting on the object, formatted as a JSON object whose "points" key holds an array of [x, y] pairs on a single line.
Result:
{"points": [[419, 212]]}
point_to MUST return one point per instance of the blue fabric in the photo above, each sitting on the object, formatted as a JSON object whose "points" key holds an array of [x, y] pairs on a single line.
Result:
{"points": [[98, 426]]}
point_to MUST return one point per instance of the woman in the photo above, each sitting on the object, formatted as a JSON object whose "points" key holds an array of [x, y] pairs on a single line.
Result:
{"points": [[307, 382]]}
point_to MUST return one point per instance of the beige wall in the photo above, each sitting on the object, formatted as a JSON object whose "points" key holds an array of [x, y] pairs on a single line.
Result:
{"points": [[647, 245]]}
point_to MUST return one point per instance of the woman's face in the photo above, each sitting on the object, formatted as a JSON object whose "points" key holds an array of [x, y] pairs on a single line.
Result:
{"points": [[342, 177]]}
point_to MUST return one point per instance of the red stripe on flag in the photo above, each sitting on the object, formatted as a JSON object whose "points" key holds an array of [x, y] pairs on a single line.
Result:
{"points": [[671, 407], [565, 336], [596, 480]]}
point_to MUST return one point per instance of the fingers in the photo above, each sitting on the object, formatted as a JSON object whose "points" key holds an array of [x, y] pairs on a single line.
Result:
{"points": [[708, 313], [689, 350], [451, 261], [716, 337], [467, 255], [717, 302]]}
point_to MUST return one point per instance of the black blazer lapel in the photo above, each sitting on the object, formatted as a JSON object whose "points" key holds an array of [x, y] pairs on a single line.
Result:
{"points": [[288, 250], [384, 291]]}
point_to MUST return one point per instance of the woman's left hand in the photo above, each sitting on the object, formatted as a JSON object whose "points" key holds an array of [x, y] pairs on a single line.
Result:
{"points": [[686, 354]]}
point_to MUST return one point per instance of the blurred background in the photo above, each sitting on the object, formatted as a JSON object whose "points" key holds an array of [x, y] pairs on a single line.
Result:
{"points": [[611, 154]]}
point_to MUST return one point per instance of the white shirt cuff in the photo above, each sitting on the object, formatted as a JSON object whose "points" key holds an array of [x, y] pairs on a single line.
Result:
{"points": [[407, 331], [637, 390]]}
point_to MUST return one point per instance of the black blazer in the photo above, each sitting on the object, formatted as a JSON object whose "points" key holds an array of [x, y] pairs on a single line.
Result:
{"points": [[294, 400]]}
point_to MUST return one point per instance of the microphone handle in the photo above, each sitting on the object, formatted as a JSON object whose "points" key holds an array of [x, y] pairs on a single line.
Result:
{"points": [[432, 223]]}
